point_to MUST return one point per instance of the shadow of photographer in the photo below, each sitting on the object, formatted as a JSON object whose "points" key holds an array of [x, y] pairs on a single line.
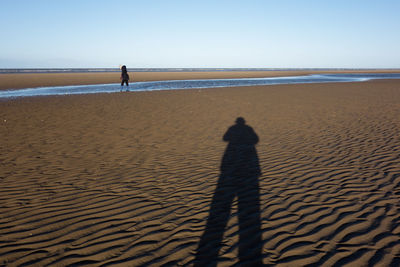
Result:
{"points": [[239, 175]]}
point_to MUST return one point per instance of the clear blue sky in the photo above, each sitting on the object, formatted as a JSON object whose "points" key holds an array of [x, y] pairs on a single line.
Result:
{"points": [[200, 33]]}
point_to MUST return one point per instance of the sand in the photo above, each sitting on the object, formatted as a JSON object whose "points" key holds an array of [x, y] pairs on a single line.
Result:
{"points": [[127, 179], [29, 80]]}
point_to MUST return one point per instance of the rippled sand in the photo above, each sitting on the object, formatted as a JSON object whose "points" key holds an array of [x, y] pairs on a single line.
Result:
{"points": [[127, 179]]}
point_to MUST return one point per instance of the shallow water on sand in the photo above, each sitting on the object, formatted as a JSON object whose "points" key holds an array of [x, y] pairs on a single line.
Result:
{"points": [[193, 84]]}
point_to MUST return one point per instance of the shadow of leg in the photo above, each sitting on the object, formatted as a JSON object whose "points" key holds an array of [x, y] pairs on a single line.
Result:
{"points": [[210, 243], [250, 242]]}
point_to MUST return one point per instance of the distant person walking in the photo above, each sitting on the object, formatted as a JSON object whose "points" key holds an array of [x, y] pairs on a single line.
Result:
{"points": [[124, 76]]}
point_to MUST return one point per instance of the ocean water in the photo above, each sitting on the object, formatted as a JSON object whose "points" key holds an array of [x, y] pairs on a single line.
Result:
{"points": [[193, 84], [74, 70]]}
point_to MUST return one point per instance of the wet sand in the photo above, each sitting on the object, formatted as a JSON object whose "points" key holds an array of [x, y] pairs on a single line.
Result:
{"points": [[31, 80], [128, 178]]}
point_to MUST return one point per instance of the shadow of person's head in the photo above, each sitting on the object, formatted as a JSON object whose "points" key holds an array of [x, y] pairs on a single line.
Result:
{"points": [[241, 134], [240, 121]]}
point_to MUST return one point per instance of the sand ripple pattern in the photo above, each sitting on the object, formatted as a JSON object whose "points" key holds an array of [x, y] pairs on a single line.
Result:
{"points": [[128, 180]]}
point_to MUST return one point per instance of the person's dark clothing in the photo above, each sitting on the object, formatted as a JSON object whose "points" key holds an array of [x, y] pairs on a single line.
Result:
{"points": [[124, 76], [125, 81]]}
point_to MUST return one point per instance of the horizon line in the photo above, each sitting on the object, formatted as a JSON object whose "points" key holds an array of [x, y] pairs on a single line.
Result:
{"points": [[174, 69]]}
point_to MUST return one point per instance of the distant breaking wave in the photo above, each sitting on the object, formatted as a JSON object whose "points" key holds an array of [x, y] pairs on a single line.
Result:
{"points": [[193, 84]]}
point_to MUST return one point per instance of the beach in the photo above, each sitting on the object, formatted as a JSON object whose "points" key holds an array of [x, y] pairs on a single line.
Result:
{"points": [[129, 179], [32, 80]]}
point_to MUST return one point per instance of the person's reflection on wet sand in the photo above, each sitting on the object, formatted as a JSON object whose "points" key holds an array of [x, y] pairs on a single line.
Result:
{"points": [[240, 170]]}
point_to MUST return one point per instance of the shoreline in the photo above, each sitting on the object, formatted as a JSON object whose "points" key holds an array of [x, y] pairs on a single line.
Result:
{"points": [[33, 80]]}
